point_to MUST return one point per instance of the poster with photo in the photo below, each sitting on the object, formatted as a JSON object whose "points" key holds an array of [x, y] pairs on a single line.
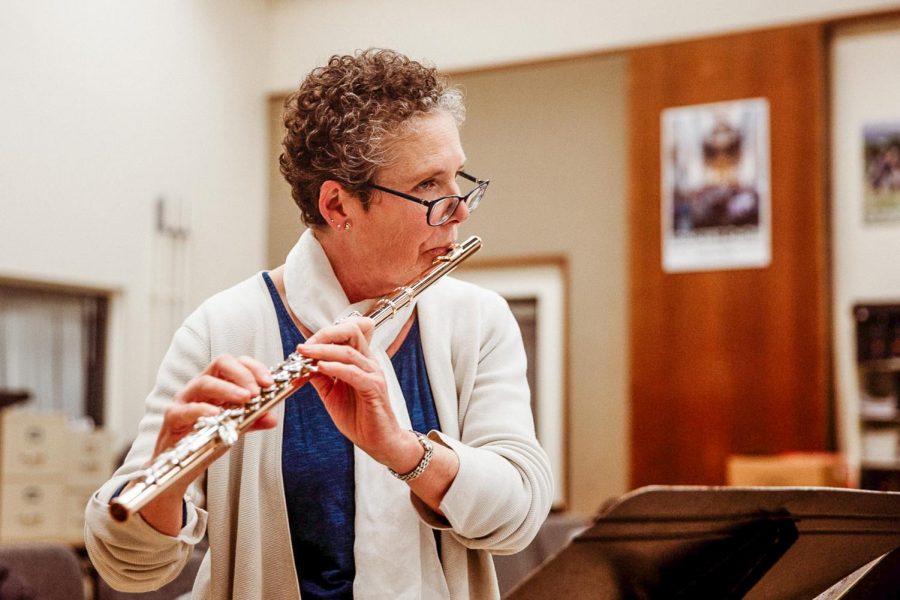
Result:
{"points": [[715, 186], [881, 199]]}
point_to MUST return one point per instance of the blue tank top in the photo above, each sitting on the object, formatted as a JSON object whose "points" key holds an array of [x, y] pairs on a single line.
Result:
{"points": [[317, 466]]}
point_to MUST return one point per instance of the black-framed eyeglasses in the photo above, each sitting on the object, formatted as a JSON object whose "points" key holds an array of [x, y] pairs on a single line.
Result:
{"points": [[441, 209]]}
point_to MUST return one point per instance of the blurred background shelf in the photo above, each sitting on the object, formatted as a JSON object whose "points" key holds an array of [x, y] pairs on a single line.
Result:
{"points": [[878, 372]]}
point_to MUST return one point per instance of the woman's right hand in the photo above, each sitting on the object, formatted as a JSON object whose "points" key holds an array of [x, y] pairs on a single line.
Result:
{"points": [[226, 382]]}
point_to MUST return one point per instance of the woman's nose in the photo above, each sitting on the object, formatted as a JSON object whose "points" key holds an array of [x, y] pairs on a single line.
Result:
{"points": [[461, 214]]}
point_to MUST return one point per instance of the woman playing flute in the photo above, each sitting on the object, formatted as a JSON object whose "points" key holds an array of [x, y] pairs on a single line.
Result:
{"points": [[412, 456]]}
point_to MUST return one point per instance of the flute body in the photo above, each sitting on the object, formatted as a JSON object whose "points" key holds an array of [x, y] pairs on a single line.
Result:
{"points": [[213, 436]]}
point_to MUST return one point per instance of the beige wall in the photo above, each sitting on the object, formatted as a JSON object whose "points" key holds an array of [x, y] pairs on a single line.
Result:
{"points": [[552, 139], [283, 225]]}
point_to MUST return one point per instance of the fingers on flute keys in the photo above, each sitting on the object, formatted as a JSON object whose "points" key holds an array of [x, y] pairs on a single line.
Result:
{"points": [[227, 380], [343, 353], [356, 331]]}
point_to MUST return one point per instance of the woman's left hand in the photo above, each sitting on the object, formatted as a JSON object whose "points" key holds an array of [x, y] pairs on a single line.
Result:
{"points": [[353, 388]]}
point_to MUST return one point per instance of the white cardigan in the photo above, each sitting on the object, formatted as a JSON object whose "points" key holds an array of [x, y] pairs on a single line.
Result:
{"points": [[476, 365]]}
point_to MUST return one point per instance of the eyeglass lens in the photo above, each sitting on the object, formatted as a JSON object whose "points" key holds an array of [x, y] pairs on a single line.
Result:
{"points": [[443, 210]]}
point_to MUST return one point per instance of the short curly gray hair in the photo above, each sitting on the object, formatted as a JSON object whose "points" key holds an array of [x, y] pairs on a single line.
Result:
{"points": [[341, 121]]}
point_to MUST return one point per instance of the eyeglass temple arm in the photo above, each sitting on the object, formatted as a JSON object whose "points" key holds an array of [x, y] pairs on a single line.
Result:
{"points": [[401, 194], [465, 175]]}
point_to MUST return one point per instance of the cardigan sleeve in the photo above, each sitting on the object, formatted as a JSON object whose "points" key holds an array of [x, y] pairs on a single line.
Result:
{"points": [[503, 490], [133, 556]]}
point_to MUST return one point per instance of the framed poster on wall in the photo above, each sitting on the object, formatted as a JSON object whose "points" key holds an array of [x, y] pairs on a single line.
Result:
{"points": [[882, 172], [715, 186]]}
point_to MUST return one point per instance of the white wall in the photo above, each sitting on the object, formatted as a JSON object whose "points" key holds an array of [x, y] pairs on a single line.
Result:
{"points": [[105, 106], [865, 90], [468, 34]]}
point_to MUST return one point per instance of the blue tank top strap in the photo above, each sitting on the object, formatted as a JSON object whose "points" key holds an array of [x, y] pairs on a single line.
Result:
{"points": [[290, 333]]}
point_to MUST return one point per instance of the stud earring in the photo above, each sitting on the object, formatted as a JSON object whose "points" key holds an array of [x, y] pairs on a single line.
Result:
{"points": [[347, 226]]}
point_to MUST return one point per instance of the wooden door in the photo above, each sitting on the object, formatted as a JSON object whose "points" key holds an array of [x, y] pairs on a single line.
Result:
{"points": [[731, 361]]}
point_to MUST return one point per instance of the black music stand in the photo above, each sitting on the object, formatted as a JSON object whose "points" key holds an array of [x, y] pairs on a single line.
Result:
{"points": [[726, 542]]}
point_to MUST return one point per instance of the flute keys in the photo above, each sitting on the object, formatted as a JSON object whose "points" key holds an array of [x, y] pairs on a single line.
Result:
{"points": [[228, 433], [294, 368]]}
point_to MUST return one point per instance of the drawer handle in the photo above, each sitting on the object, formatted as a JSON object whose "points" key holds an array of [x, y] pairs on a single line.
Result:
{"points": [[31, 519], [33, 459], [35, 434]]}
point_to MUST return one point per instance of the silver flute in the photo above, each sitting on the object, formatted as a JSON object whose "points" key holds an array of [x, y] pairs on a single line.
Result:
{"points": [[213, 436]]}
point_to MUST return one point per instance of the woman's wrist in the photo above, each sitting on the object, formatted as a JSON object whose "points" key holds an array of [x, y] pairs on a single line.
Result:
{"points": [[408, 454], [419, 469]]}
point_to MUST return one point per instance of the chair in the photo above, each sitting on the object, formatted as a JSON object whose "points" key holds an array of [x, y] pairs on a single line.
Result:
{"points": [[51, 571]]}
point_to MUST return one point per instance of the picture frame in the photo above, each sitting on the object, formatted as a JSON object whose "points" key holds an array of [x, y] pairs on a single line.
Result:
{"points": [[715, 188], [881, 155]]}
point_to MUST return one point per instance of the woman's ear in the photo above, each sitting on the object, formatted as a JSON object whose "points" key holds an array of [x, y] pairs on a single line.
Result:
{"points": [[333, 207]]}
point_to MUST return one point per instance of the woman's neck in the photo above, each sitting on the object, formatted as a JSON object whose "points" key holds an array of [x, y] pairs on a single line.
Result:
{"points": [[349, 270]]}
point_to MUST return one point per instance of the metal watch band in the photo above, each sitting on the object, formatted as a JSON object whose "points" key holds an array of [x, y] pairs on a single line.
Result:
{"points": [[423, 464]]}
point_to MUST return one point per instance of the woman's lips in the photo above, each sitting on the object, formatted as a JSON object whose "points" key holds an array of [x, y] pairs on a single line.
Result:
{"points": [[439, 250]]}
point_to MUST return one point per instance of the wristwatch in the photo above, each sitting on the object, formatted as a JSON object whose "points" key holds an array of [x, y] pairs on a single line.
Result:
{"points": [[423, 464]]}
